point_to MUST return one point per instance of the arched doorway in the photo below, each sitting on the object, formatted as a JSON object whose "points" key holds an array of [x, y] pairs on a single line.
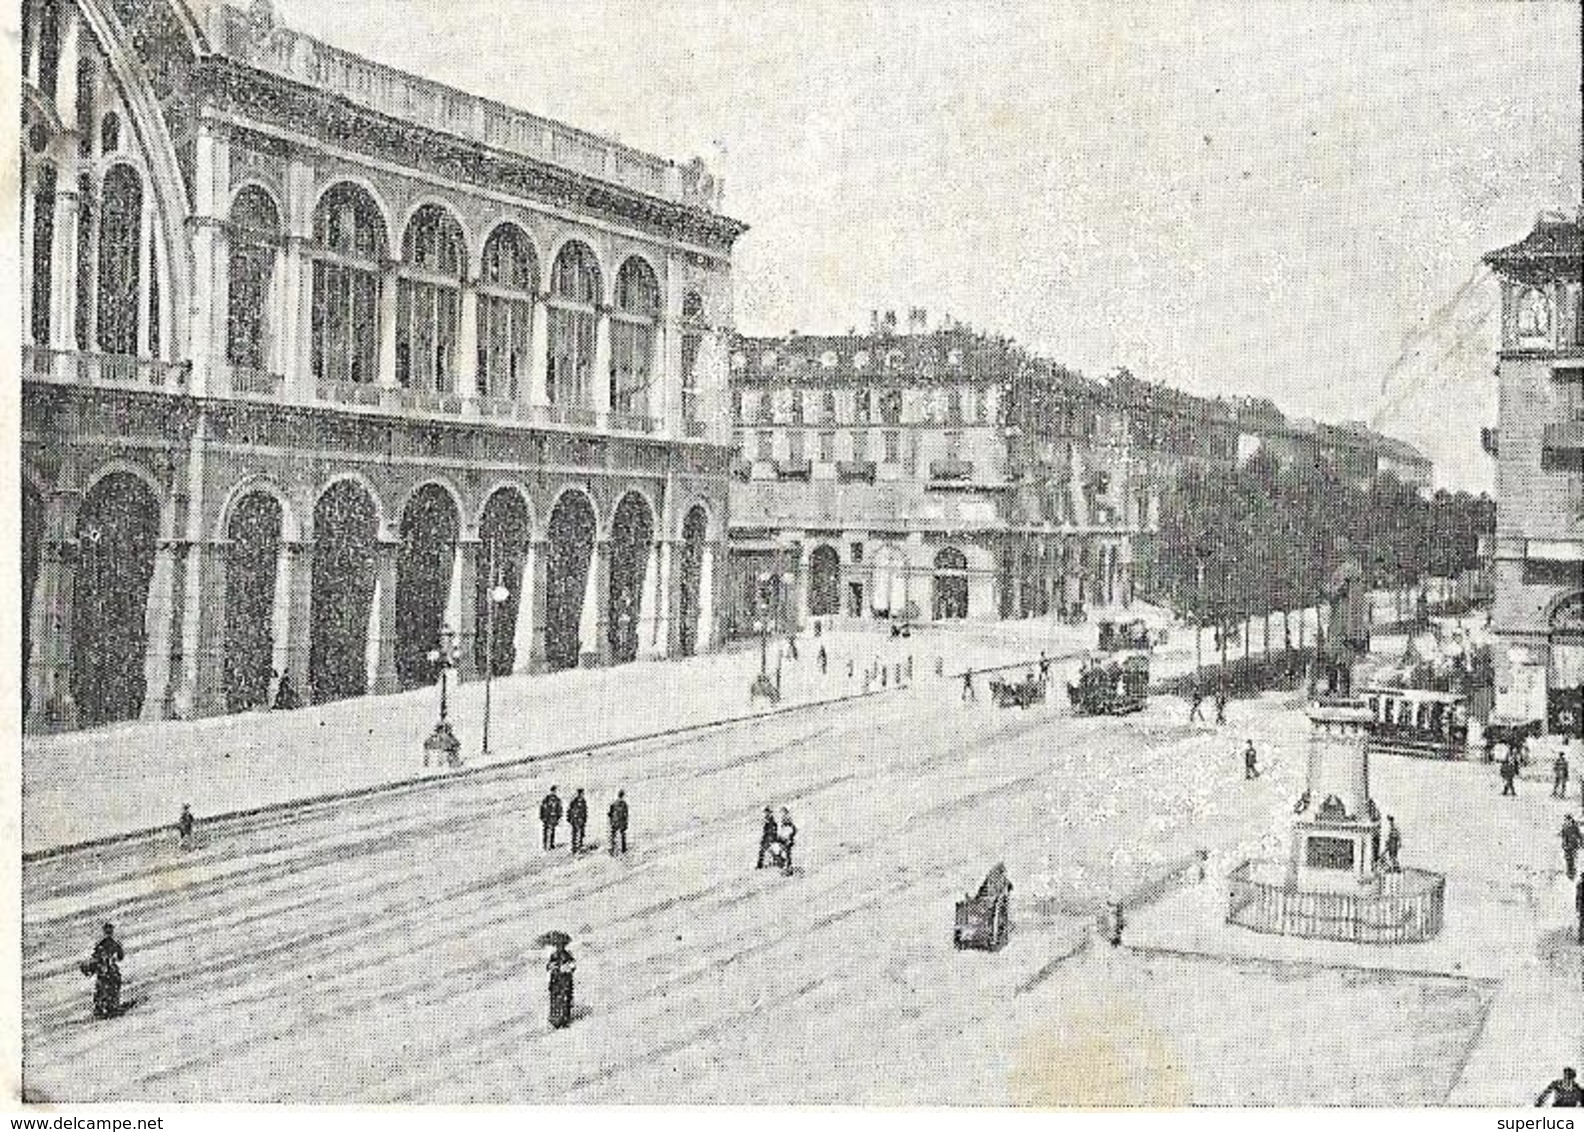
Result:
{"points": [[824, 582], [32, 542], [951, 584], [689, 604], [254, 533], [1565, 672], [889, 591], [425, 564], [569, 548], [632, 534], [117, 530], [346, 526], [503, 542]]}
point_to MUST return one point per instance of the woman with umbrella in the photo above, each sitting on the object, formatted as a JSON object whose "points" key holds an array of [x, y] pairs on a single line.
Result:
{"points": [[560, 966]]}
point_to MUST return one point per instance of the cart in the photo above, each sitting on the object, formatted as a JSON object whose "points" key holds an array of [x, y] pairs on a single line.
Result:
{"points": [[1114, 687], [1025, 693], [983, 919]]}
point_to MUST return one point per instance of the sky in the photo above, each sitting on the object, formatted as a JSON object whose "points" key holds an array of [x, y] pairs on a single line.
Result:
{"points": [[1286, 200]]}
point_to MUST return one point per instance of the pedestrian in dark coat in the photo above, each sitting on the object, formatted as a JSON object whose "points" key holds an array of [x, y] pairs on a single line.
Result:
{"points": [[769, 834], [1393, 845], [1196, 705], [1221, 705], [786, 834], [1250, 761], [618, 821], [1559, 776], [184, 827], [824, 660], [1572, 838], [1578, 900], [968, 692], [550, 817], [1509, 773], [1565, 1092], [286, 697], [105, 967], [561, 966], [577, 818]]}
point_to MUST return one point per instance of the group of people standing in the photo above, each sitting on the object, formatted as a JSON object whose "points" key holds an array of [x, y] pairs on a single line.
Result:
{"points": [[576, 813], [776, 838]]}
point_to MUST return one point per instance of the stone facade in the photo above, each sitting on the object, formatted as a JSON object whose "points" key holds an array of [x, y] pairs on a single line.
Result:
{"points": [[318, 354], [1539, 551]]}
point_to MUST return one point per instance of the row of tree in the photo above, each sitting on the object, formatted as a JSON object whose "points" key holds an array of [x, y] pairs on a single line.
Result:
{"points": [[1265, 536]]}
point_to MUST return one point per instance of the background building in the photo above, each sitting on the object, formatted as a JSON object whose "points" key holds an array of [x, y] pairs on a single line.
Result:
{"points": [[319, 352], [1539, 443]]}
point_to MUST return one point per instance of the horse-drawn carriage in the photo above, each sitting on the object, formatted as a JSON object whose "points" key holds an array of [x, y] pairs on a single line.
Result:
{"points": [[1025, 693], [1119, 636], [1118, 686], [983, 919]]}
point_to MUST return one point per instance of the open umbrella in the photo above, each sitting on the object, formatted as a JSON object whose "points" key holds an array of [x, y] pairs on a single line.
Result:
{"points": [[553, 939]]}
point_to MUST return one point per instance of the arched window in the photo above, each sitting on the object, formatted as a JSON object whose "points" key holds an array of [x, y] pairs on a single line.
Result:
{"points": [[48, 47], [255, 227], [429, 301], [87, 216], [120, 237], [632, 334], [87, 89], [575, 291], [43, 253], [350, 241], [508, 280], [692, 344], [110, 133]]}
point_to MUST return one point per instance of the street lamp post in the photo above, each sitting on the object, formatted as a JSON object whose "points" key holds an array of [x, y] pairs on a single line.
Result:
{"points": [[498, 596], [442, 743]]}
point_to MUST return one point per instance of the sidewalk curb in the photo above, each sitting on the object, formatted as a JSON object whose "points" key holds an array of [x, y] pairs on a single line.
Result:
{"points": [[429, 780]]}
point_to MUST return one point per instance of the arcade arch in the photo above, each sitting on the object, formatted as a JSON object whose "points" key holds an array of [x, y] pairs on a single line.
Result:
{"points": [[346, 530], [253, 537], [504, 528], [695, 531], [951, 584], [117, 532], [632, 537], [824, 595], [426, 577], [569, 549]]}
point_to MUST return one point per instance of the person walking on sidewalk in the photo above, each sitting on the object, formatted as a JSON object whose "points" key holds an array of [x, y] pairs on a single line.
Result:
{"points": [[577, 818], [1572, 838], [550, 817], [787, 834], [1250, 761], [769, 834], [824, 660], [1196, 705], [968, 694], [1221, 705], [1565, 1091], [617, 815], [105, 967], [1559, 775], [1393, 845], [184, 828], [1509, 773]]}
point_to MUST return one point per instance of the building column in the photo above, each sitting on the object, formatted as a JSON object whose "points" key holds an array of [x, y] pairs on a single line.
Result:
{"points": [[382, 628], [294, 297], [158, 615], [601, 401], [539, 354], [467, 367], [295, 643], [280, 615], [387, 329], [462, 605], [25, 258], [64, 266], [51, 707], [706, 613], [654, 641], [530, 633], [67, 55], [146, 273], [210, 256], [649, 600], [201, 690], [593, 645]]}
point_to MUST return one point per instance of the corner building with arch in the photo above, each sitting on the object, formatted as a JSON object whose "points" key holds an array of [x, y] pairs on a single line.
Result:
{"points": [[319, 355]]}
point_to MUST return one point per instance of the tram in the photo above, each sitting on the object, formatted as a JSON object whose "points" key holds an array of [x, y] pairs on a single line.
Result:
{"points": [[1419, 722]]}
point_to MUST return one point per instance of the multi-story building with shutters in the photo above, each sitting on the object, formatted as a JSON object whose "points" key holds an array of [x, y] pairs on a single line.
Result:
{"points": [[320, 353], [1539, 446]]}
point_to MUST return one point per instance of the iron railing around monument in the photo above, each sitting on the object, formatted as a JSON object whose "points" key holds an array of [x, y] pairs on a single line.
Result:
{"points": [[1406, 909]]}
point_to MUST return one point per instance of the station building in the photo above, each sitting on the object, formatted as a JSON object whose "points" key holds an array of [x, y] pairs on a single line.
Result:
{"points": [[319, 355]]}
